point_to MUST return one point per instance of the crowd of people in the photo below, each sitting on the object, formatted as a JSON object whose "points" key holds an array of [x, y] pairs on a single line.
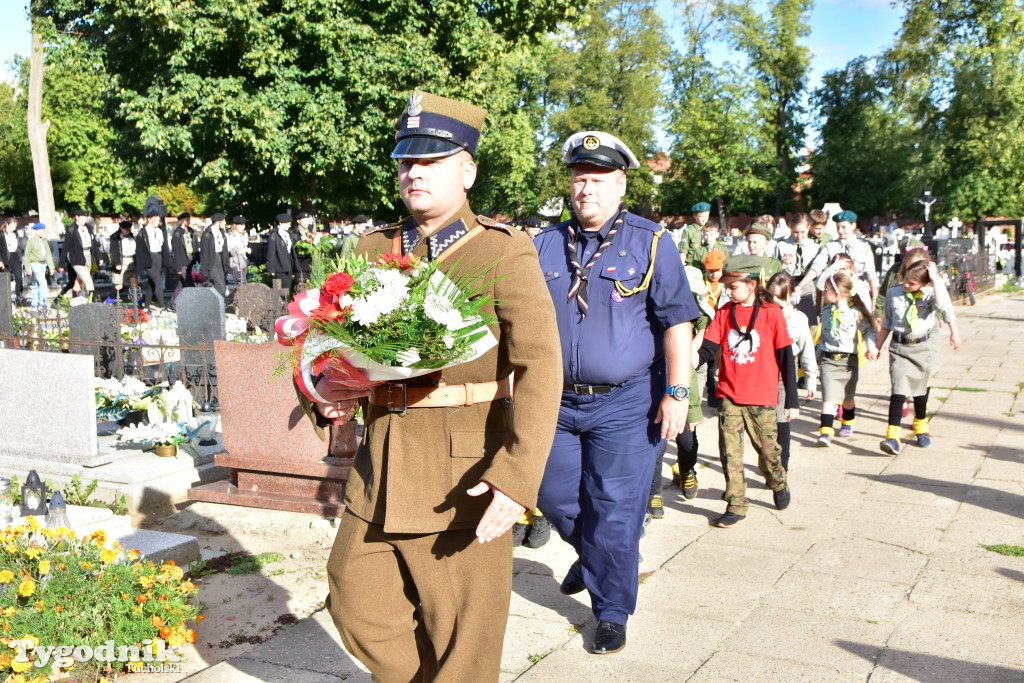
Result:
{"points": [[614, 336], [160, 255]]}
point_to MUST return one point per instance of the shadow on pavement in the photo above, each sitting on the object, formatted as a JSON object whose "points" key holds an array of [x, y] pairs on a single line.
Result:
{"points": [[985, 497], [545, 592], [1011, 573], [924, 667]]}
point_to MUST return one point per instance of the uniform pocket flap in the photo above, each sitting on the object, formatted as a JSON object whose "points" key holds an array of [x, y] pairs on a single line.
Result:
{"points": [[476, 443]]}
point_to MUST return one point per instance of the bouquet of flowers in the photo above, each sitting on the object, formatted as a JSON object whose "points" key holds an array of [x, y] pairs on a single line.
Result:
{"points": [[391, 319], [155, 433], [116, 398]]}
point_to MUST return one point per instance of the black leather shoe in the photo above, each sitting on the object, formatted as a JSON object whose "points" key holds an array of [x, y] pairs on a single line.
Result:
{"points": [[573, 581], [781, 497], [610, 637]]}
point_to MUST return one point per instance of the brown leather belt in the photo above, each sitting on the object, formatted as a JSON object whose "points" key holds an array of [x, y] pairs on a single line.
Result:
{"points": [[397, 397]]}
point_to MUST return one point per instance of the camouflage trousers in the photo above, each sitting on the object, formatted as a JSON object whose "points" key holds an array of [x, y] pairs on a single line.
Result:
{"points": [[759, 422]]}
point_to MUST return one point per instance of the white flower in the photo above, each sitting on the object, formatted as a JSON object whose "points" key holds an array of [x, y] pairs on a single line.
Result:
{"points": [[408, 357], [449, 341], [394, 282], [440, 309], [369, 309]]}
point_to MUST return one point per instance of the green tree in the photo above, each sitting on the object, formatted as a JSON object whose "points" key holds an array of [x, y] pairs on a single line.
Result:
{"points": [[17, 189], [607, 76], [271, 103], [718, 141], [956, 70], [780, 67], [866, 156]]}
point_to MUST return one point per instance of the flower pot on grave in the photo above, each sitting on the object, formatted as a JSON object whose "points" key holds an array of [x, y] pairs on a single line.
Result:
{"points": [[167, 450], [133, 417]]}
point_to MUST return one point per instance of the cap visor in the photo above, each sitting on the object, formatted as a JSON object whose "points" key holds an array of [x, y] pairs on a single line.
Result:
{"points": [[733, 277], [595, 159], [422, 147]]}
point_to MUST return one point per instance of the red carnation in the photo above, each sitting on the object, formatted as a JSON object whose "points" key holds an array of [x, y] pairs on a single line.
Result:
{"points": [[337, 284]]}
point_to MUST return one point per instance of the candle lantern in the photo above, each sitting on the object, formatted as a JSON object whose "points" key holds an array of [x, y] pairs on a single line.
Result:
{"points": [[33, 496], [58, 515]]}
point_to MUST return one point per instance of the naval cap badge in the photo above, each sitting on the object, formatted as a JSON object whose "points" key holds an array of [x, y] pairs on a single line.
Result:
{"points": [[591, 142]]}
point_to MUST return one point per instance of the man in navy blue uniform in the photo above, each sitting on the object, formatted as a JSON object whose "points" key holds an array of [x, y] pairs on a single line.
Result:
{"points": [[623, 307]]}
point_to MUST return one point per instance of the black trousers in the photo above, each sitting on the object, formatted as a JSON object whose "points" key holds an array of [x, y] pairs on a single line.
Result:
{"points": [[154, 288]]}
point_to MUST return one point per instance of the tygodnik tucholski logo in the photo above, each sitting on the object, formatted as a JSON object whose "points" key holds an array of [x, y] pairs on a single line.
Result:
{"points": [[154, 655]]}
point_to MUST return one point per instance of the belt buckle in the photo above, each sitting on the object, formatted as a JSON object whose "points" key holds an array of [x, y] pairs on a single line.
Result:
{"points": [[583, 389], [391, 401]]}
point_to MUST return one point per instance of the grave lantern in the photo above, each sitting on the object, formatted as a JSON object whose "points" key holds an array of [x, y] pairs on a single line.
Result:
{"points": [[58, 515], [6, 501], [33, 496]]}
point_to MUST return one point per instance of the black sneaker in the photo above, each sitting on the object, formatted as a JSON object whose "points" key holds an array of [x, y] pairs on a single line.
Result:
{"points": [[539, 532], [782, 497], [729, 519], [689, 485], [518, 534], [656, 507]]}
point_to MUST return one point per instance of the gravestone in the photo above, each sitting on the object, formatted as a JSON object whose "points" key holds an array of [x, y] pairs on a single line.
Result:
{"points": [[56, 390], [200, 323], [275, 458], [95, 330], [259, 304], [6, 309]]}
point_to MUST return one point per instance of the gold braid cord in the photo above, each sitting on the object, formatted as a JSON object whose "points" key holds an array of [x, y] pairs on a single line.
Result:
{"points": [[650, 270]]}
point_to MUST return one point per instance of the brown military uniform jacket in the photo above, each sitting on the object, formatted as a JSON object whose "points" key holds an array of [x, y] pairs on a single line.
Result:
{"points": [[411, 471]]}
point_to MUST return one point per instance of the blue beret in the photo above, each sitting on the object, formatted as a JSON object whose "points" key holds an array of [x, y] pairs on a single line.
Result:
{"points": [[845, 216], [699, 207]]}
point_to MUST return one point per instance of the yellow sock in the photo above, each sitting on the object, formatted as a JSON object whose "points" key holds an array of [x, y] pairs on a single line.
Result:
{"points": [[848, 423], [675, 468], [894, 432], [526, 517], [921, 426], [828, 430]]}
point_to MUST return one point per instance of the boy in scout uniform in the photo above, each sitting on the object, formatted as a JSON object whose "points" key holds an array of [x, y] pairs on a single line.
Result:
{"points": [[420, 575]]}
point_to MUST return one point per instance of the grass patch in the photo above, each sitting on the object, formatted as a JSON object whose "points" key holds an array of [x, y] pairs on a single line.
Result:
{"points": [[1010, 414], [1008, 550], [971, 390], [250, 564], [1010, 287], [535, 658]]}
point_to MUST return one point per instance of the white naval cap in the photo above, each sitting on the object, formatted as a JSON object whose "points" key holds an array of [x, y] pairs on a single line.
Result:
{"points": [[597, 147]]}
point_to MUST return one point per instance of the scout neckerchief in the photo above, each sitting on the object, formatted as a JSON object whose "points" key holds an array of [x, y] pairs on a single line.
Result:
{"points": [[912, 318], [745, 333], [714, 293], [798, 267], [581, 275]]}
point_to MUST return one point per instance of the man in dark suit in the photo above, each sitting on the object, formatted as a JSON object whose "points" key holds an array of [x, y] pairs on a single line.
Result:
{"points": [[281, 252], [11, 251], [79, 252], [152, 255], [213, 254]]}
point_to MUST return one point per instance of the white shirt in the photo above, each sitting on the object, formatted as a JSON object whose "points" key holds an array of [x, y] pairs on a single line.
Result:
{"points": [[156, 239], [12, 242]]}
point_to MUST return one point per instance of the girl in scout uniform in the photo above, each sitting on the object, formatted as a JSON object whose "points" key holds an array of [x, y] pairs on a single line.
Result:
{"points": [[780, 288], [843, 315], [910, 315]]}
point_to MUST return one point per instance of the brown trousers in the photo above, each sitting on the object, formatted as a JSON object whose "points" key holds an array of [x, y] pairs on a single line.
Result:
{"points": [[420, 607]]}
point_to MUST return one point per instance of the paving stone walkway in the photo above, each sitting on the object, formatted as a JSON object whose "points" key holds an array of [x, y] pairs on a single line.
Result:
{"points": [[876, 571]]}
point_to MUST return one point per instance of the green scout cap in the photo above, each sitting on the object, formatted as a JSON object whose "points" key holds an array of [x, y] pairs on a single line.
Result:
{"points": [[759, 228], [845, 217], [432, 127], [741, 267], [700, 207]]}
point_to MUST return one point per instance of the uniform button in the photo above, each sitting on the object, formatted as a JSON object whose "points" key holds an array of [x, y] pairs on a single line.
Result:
{"points": [[484, 451]]}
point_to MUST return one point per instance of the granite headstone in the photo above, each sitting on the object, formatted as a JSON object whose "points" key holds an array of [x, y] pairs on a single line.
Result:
{"points": [[200, 323], [259, 304], [6, 310], [95, 330], [56, 389]]}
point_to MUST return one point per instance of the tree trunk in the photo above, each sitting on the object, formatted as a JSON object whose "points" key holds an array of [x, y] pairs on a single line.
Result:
{"points": [[723, 226], [37, 141]]}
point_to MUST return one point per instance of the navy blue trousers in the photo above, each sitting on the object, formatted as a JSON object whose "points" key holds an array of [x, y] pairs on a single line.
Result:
{"points": [[595, 486]]}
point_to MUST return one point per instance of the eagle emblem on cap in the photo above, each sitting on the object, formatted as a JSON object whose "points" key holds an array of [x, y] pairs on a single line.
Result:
{"points": [[591, 142], [415, 103]]}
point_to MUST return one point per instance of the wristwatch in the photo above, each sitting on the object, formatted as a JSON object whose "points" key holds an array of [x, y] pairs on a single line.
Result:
{"points": [[679, 392]]}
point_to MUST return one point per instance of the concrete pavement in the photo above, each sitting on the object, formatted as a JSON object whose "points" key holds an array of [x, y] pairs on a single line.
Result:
{"points": [[876, 571]]}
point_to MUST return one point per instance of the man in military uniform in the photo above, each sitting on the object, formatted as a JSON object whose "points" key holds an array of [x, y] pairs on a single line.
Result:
{"points": [[624, 312], [421, 571], [692, 234], [857, 248]]}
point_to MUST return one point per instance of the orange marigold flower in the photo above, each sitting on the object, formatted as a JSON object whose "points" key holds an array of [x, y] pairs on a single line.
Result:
{"points": [[87, 565], [40, 605], [142, 598], [166, 632], [190, 635], [134, 554], [27, 587], [157, 621], [200, 618], [99, 537], [58, 608]]}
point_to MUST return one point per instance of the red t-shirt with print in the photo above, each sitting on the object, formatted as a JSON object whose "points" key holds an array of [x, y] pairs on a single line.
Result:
{"points": [[749, 372]]}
